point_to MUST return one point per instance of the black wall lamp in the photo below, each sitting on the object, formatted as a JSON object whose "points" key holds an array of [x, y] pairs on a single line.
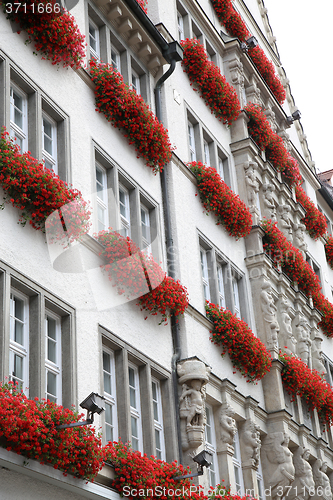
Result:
{"points": [[94, 403], [250, 43], [295, 116], [203, 459]]}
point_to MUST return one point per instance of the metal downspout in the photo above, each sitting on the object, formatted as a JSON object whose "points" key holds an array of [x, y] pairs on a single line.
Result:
{"points": [[170, 263]]}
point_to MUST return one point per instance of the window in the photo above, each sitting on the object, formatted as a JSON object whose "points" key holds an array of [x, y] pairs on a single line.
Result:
{"points": [[329, 370], [313, 265], [101, 197], [204, 271], [53, 358], [238, 467], [19, 117], [210, 444], [135, 408], [180, 23], [220, 283], [136, 82], [260, 482], [49, 136], [124, 208], [206, 153], [158, 420], [94, 40], [19, 340], [145, 227], [115, 59], [235, 289], [191, 141], [109, 384]]}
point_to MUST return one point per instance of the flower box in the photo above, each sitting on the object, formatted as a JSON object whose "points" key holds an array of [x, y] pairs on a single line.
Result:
{"points": [[217, 93], [218, 198], [247, 353], [127, 111], [52, 29]]}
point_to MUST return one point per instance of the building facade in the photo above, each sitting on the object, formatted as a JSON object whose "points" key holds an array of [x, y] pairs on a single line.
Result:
{"points": [[67, 331]]}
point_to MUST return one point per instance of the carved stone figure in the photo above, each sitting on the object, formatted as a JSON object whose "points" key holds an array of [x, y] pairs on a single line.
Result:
{"points": [[268, 199], [269, 309], [287, 340], [285, 222], [228, 426], [322, 483], [303, 486], [317, 354], [250, 443], [278, 464], [194, 374], [252, 184], [303, 339], [299, 230]]}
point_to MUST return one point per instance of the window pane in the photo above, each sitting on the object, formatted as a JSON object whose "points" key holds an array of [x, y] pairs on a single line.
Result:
{"points": [[17, 369], [18, 308], [134, 427], [51, 384], [51, 351]]}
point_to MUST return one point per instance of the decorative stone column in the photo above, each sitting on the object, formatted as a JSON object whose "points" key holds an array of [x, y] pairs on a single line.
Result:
{"points": [[278, 467], [225, 453], [302, 488], [193, 376]]}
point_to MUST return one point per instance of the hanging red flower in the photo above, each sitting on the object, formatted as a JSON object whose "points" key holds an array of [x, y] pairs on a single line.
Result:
{"points": [[299, 271], [136, 275], [236, 26], [247, 353], [218, 198], [127, 111], [28, 427], [300, 380], [268, 141], [218, 94], [267, 71], [329, 251], [52, 28], [314, 220], [143, 5], [37, 192]]}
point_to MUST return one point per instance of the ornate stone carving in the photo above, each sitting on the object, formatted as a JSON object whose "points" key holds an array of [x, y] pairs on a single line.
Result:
{"points": [[278, 463], [323, 489], [269, 309], [252, 183], [285, 221], [194, 374], [299, 230], [287, 340], [304, 484], [317, 353], [228, 426], [303, 339], [250, 443], [268, 199]]}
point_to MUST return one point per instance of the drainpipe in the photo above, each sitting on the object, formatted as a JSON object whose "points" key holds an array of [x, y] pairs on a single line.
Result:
{"points": [[175, 54]]}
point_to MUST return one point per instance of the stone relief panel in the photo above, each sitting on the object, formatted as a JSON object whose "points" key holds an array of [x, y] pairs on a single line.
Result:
{"points": [[287, 340], [228, 426], [323, 489], [252, 184], [302, 334], [269, 207], [277, 460], [269, 310], [250, 443], [303, 486], [285, 222], [299, 238], [193, 376], [317, 353]]}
